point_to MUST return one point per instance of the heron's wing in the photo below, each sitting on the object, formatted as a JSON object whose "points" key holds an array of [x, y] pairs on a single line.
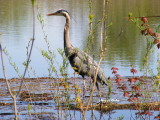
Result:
{"points": [[85, 65], [82, 62], [87, 59], [91, 65]]}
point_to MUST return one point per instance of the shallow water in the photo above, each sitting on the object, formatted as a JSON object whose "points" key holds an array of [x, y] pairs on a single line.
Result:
{"points": [[125, 47], [76, 115], [42, 103]]}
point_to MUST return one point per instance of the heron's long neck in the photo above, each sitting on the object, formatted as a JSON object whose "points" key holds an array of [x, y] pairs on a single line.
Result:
{"points": [[67, 42]]}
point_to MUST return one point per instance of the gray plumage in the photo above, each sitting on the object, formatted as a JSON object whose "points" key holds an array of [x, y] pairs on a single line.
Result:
{"points": [[79, 60]]}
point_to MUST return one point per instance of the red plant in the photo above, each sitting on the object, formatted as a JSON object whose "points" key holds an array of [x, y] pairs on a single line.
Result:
{"points": [[137, 78], [147, 30], [117, 75], [114, 69], [133, 71], [131, 80], [136, 88], [123, 87], [134, 99], [125, 94], [130, 100], [131, 96], [118, 80], [157, 117], [138, 95], [114, 72], [150, 31], [156, 41], [155, 35], [144, 19]]}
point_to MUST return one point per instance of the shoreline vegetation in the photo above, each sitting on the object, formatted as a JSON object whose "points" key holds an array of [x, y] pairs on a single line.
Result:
{"points": [[104, 105]]}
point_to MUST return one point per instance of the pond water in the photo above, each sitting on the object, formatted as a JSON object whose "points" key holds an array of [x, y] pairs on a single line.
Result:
{"points": [[44, 96], [125, 45]]}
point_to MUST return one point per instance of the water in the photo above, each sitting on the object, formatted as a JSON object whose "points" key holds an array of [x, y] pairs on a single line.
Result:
{"points": [[90, 115], [125, 45], [42, 104], [77, 116]]}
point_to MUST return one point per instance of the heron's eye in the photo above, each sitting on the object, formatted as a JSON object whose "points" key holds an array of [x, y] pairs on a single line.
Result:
{"points": [[60, 11]]}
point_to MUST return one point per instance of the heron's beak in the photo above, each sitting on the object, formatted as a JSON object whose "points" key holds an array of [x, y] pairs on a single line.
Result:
{"points": [[50, 14]]}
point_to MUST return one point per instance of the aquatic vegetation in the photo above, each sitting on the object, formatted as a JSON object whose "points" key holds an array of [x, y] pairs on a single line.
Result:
{"points": [[152, 38], [63, 95]]}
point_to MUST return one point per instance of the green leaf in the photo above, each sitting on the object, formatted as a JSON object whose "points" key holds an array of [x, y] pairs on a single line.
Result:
{"points": [[33, 2], [130, 14], [29, 107], [45, 54], [91, 16]]}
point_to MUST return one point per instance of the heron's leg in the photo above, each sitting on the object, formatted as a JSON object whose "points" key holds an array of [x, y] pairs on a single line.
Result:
{"points": [[99, 93], [97, 86], [84, 87]]}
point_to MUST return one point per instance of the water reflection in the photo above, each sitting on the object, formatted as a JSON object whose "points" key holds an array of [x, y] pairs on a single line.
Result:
{"points": [[125, 46]]}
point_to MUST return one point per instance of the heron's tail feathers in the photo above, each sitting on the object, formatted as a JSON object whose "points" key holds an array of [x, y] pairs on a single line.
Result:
{"points": [[102, 78], [104, 82]]}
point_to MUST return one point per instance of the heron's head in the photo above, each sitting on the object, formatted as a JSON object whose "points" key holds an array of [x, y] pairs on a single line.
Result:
{"points": [[59, 13]]}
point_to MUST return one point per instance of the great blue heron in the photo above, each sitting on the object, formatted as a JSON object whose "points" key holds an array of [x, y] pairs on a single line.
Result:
{"points": [[79, 60]]}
